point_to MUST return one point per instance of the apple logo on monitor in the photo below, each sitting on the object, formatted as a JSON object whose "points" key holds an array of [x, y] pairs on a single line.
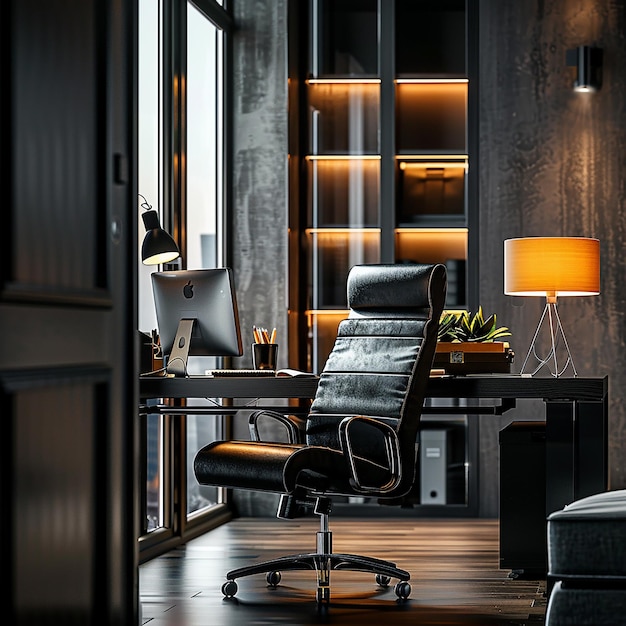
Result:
{"points": [[188, 290]]}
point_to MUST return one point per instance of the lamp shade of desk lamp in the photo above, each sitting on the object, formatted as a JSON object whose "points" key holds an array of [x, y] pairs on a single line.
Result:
{"points": [[158, 246], [551, 267]]}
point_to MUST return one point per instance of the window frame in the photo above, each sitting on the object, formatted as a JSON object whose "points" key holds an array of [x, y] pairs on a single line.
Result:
{"points": [[178, 527]]}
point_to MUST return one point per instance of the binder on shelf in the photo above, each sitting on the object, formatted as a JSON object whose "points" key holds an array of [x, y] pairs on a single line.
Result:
{"points": [[433, 466]]}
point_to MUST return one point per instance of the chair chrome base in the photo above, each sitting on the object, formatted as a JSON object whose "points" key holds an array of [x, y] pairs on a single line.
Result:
{"points": [[323, 562]]}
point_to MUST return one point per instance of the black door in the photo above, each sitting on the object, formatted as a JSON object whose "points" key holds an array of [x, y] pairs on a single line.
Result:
{"points": [[68, 311]]}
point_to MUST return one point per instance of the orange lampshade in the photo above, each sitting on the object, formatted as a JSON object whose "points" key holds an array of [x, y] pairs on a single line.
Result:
{"points": [[552, 266]]}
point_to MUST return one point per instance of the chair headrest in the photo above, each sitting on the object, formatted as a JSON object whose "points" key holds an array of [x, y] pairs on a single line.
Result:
{"points": [[396, 289]]}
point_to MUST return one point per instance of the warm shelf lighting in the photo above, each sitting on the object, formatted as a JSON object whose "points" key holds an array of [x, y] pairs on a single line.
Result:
{"points": [[431, 81], [438, 164], [321, 312], [436, 101], [343, 81], [419, 158], [431, 231], [342, 231], [434, 245], [343, 157]]}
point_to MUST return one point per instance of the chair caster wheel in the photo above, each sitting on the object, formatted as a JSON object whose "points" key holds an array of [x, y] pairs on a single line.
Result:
{"points": [[403, 589], [273, 578], [382, 580], [229, 588]]}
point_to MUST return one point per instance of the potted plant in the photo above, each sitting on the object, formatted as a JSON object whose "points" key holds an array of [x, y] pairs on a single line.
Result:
{"points": [[469, 343]]}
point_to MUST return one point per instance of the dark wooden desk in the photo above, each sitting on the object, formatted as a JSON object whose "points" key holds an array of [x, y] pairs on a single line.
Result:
{"points": [[576, 415], [227, 387]]}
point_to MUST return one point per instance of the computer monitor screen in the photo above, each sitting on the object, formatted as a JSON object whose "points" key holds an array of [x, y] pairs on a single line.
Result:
{"points": [[196, 315]]}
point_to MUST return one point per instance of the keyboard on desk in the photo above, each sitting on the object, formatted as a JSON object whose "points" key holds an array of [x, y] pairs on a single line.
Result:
{"points": [[241, 372]]}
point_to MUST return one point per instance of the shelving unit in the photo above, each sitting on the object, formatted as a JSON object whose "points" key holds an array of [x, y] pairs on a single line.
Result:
{"points": [[385, 156]]}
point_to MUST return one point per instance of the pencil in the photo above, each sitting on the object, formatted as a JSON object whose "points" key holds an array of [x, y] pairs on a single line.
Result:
{"points": [[273, 337]]}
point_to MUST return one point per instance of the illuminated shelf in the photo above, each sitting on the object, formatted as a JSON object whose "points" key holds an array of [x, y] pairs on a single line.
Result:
{"points": [[343, 81], [431, 116], [383, 174], [431, 245], [344, 190], [426, 231], [342, 157], [342, 230], [431, 81], [326, 312], [432, 160], [334, 107], [423, 178]]}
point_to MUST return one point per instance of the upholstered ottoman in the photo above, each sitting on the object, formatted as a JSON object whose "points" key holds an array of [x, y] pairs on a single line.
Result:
{"points": [[587, 562]]}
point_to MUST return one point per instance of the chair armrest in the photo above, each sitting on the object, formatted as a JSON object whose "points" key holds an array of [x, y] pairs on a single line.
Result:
{"points": [[392, 450], [290, 424]]}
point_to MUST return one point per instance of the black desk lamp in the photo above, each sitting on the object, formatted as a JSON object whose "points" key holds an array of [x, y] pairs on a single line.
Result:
{"points": [[158, 246]]}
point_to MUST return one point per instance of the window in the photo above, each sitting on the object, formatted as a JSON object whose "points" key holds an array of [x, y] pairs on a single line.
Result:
{"points": [[204, 200], [182, 150], [150, 168]]}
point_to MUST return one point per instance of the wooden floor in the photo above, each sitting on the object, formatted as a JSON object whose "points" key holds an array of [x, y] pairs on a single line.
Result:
{"points": [[454, 565]]}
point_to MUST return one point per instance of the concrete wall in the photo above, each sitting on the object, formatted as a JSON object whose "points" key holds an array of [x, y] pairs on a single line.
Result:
{"points": [[552, 162], [260, 187], [260, 201]]}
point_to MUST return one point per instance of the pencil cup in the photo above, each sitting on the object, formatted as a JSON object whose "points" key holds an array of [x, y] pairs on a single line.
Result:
{"points": [[264, 356]]}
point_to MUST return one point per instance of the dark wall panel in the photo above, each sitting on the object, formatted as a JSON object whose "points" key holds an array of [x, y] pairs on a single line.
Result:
{"points": [[260, 186], [552, 162]]}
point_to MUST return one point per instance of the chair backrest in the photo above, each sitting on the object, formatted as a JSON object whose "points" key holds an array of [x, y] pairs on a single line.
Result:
{"points": [[381, 360]]}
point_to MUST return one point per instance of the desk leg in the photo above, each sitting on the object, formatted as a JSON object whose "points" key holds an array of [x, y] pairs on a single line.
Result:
{"points": [[576, 451], [560, 454], [591, 463]]}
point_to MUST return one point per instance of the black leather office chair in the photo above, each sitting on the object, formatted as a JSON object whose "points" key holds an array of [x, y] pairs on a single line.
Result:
{"points": [[360, 434]]}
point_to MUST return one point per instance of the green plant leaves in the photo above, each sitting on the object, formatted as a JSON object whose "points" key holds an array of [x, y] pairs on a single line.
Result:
{"points": [[465, 326]]}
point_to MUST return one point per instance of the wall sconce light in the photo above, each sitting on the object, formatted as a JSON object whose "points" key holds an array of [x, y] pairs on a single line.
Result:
{"points": [[551, 267], [588, 64], [158, 246]]}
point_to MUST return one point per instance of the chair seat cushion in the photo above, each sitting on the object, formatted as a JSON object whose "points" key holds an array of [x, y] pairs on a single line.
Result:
{"points": [[587, 539], [281, 467]]}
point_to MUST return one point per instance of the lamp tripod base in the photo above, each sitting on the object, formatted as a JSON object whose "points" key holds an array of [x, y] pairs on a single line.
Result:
{"points": [[550, 317]]}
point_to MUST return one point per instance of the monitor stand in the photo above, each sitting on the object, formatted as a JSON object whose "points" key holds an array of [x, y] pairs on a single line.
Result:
{"points": [[177, 361]]}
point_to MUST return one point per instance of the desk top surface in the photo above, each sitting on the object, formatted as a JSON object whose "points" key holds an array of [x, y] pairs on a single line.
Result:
{"points": [[475, 386]]}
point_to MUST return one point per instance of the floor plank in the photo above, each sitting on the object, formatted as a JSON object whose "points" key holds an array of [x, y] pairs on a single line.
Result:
{"points": [[454, 565]]}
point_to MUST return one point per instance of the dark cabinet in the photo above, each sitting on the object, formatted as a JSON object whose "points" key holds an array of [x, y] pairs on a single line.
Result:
{"points": [[384, 150], [382, 99]]}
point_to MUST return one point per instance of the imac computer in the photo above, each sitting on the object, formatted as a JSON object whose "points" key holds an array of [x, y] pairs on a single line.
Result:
{"points": [[196, 315]]}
